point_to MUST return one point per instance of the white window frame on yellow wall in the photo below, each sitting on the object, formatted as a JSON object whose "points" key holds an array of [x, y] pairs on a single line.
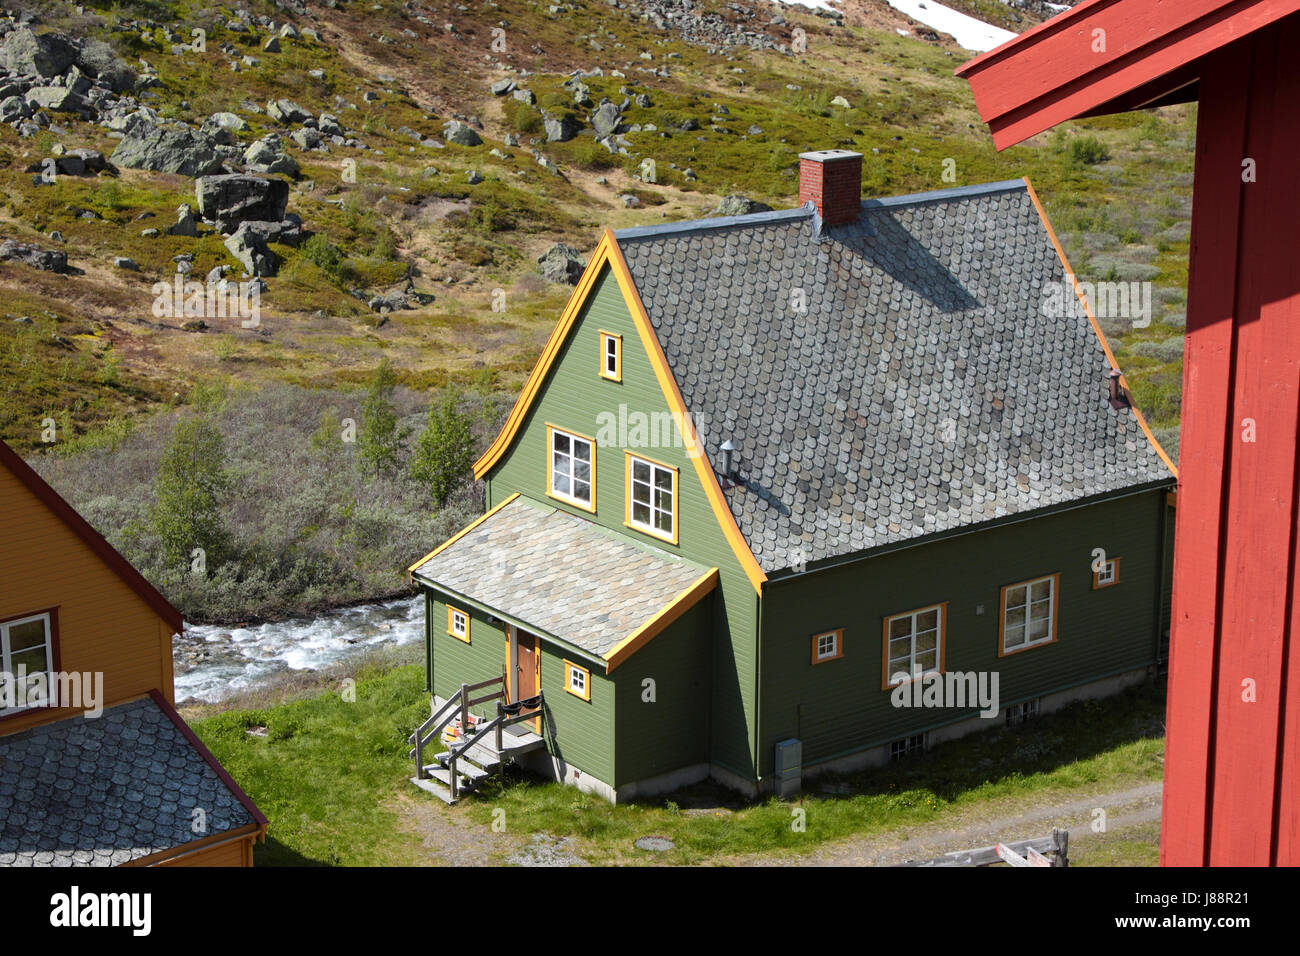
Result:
{"points": [[583, 690]]}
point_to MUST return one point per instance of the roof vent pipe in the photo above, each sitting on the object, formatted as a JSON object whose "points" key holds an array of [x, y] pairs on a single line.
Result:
{"points": [[1118, 397]]}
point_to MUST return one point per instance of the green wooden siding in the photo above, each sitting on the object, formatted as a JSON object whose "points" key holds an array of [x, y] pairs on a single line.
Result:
{"points": [[838, 707], [580, 732], [672, 730], [575, 398]]}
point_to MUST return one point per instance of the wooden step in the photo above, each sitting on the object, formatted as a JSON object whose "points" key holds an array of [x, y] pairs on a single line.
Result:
{"points": [[434, 787], [464, 769]]}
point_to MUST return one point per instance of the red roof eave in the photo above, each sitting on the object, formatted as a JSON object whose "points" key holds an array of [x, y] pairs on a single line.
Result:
{"points": [[1093, 58]]}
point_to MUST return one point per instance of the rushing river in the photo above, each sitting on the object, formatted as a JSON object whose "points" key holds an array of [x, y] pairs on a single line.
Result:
{"points": [[212, 662]]}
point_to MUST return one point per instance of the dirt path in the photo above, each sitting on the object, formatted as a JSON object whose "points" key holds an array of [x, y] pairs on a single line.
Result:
{"points": [[1125, 808], [450, 838]]}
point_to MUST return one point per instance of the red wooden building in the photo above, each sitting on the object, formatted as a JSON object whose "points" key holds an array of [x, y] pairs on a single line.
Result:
{"points": [[1232, 766]]}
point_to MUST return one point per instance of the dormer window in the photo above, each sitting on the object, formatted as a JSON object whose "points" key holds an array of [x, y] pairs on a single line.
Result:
{"points": [[611, 356]]}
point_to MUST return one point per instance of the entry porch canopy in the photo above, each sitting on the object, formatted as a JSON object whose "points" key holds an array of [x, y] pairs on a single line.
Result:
{"points": [[1232, 765], [566, 579]]}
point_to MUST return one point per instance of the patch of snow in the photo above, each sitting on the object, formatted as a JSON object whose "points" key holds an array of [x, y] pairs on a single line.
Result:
{"points": [[810, 4], [971, 33]]}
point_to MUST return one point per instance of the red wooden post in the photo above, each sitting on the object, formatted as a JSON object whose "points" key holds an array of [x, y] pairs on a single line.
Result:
{"points": [[1235, 541], [1232, 764]]}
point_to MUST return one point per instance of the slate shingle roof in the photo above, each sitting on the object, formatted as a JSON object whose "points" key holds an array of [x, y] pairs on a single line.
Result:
{"points": [[565, 576], [108, 790], [923, 389]]}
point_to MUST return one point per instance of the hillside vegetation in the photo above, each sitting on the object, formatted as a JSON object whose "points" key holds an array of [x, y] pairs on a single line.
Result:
{"points": [[422, 250]]}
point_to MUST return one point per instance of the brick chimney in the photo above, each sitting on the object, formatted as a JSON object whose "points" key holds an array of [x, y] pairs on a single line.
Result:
{"points": [[832, 179]]}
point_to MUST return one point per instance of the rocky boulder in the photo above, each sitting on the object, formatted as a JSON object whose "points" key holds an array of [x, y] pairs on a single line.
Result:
{"points": [[166, 149], [462, 134], [26, 53], [607, 119], [185, 224], [561, 263], [560, 129], [58, 99], [287, 112], [250, 244], [99, 60], [222, 127], [268, 155], [50, 260], [227, 201], [740, 206]]}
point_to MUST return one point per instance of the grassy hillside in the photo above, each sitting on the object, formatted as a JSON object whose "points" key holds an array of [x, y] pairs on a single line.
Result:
{"points": [[464, 224]]}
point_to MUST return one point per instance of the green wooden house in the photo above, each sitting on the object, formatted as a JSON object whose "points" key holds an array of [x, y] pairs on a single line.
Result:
{"points": [[782, 485]]}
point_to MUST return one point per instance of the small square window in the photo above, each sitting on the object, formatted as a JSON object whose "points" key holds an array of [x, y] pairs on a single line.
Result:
{"points": [[1107, 576], [828, 646], [611, 356], [577, 680], [458, 624]]}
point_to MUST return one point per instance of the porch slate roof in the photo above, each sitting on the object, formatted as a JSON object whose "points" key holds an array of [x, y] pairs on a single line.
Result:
{"points": [[923, 388], [108, 790], [564, 576]]}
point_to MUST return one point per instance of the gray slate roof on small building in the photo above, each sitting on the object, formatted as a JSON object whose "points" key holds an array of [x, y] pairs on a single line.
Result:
{"points": [[924, 388], [107, 790], [562, 575]]}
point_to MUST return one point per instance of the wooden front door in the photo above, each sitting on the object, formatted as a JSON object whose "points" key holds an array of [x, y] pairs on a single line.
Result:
{"points": [[527, 678]]}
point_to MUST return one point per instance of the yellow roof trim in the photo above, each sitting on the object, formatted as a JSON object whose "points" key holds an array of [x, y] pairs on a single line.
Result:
{"points": [[1096, 327], [697, 455], [533, 386], [670, 612], [608, 253], [461, 533]]}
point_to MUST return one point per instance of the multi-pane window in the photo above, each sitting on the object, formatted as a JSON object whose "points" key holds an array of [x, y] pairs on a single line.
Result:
{"points": [[26, 653], [611, 360], [577, 680], [907, 747], [458, 624], [914, 644], [1108, 575], [572, 468], [1029, 613], [652, 497], [827, 646], [1019, 713]]}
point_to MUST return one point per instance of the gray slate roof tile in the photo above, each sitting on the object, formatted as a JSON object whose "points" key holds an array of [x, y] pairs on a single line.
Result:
{"points": [[108, 790], [565, 576], [924, 388]]}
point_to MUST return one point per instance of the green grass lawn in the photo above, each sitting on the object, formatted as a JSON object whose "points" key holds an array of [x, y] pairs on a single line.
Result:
{"points": [[330, 772]]}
